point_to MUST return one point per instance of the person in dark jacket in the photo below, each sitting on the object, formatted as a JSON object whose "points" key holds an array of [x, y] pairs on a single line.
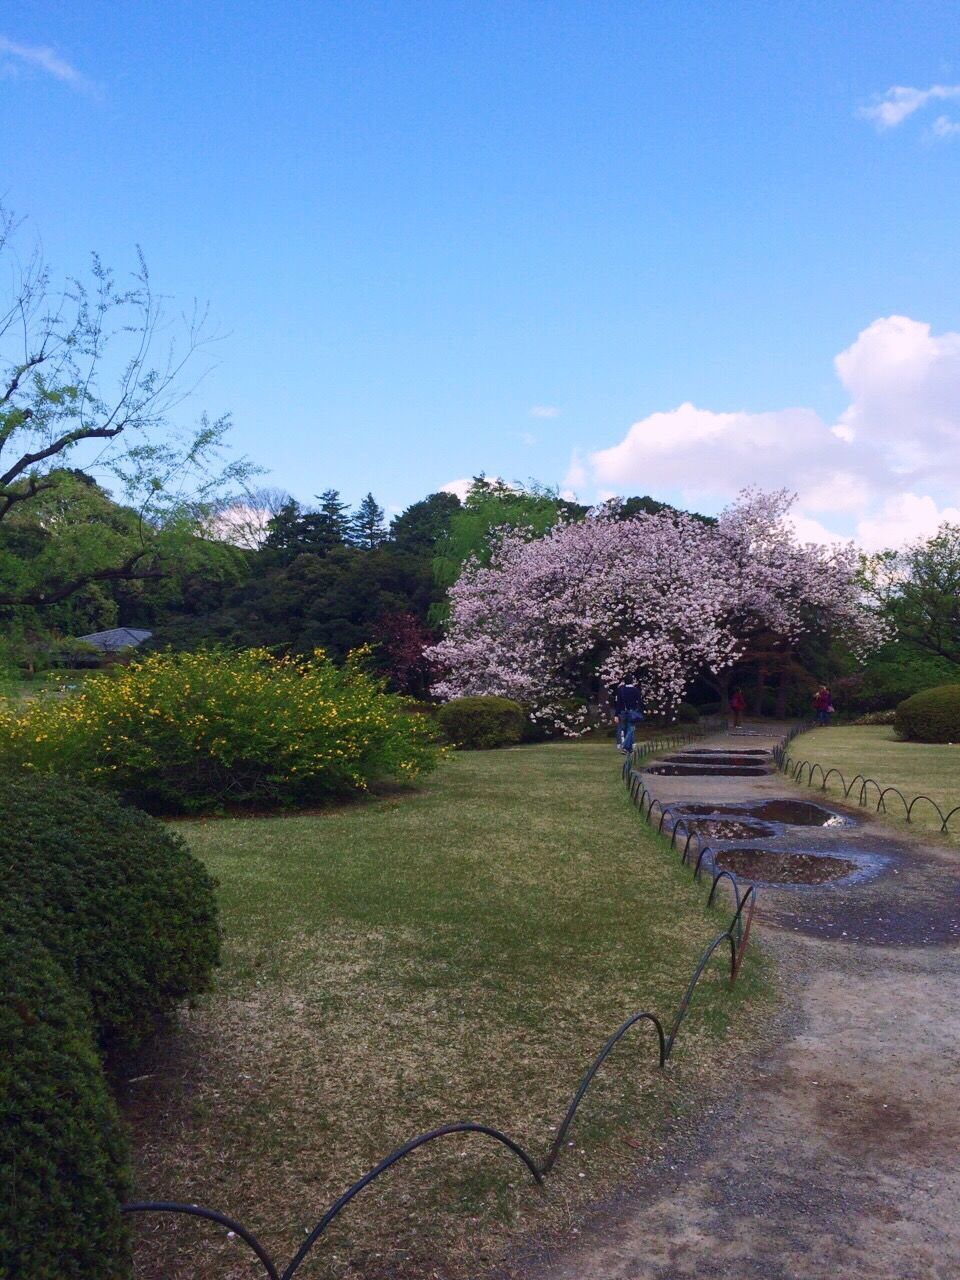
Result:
{"points": [[629, 709]]}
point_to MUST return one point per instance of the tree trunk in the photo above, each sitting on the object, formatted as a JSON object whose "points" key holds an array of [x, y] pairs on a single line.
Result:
{"points": [[761, 684], [722, 682], [782, 694]]}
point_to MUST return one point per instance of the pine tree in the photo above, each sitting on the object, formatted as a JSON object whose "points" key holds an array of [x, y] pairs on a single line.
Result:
{"points": [[367, 529], [333, 519], [283, 530]]}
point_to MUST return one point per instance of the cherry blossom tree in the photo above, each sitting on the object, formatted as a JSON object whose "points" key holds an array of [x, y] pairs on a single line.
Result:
{"points": [[658, 596]]}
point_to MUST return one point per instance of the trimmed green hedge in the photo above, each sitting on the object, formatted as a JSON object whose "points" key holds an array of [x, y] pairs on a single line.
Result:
{"points": [[478, 724], [933, 715], [62, 1160], [106, 921]]}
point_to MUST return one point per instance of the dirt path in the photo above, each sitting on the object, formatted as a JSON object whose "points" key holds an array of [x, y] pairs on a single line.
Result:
{"points": [[837, 1154]]}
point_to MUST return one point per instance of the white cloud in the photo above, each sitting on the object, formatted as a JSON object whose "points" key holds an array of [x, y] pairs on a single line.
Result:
{"points": [[460, 487], [809, 530], [576, 476], [899, 102], [45, 59], [888, 469], [902, 519], [544, 411], [944, 127], [528, 437], [700, 451]]}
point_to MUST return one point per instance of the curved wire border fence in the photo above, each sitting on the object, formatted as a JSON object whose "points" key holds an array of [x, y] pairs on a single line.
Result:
{"points": [[793, 767], [735, 936]]}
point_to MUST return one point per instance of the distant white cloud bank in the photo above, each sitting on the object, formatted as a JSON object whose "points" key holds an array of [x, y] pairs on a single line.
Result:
{"points": [[887, 470]]}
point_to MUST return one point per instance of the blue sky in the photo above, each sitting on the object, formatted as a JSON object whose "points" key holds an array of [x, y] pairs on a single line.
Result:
{"points": [[418, 223]]}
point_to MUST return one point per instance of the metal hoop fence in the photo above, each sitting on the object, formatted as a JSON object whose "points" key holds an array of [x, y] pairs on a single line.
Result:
{"points": [[732, 941], [794, 769]]}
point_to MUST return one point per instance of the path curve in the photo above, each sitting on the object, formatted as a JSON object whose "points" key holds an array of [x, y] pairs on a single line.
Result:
{"points": [[837, 1154]]}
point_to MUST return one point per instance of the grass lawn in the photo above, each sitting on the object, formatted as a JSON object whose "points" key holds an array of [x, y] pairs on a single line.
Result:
{"points": [[454, 952], [917, 768]]}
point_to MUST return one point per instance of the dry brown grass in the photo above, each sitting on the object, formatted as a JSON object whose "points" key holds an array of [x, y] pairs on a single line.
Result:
{"points": [[458, 953]]}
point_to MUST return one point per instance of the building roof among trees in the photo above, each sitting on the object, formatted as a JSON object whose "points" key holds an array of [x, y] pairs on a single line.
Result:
{"points": [[116, 638]]}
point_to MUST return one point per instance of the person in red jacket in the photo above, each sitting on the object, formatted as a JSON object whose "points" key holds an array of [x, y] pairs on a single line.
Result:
{"points": [[822, 704], [738, 705]]}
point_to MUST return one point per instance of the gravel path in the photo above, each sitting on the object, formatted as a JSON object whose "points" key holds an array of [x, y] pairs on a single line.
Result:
{"points": [[837, 1152]]}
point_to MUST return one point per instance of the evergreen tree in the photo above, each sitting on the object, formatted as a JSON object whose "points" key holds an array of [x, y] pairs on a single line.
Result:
{"points": [[422, 524], [294, 531], [334, 523], [367, 529], [282, 530]]}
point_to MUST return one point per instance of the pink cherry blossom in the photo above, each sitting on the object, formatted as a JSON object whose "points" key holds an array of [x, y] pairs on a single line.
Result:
{"points": [[662, 597]]}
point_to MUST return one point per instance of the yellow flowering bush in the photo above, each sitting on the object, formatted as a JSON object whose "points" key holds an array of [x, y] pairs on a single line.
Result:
{"points": [[207, 731]]}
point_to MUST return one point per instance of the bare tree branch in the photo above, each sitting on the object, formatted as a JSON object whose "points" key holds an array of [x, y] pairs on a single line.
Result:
{"points": [[58, 446]]}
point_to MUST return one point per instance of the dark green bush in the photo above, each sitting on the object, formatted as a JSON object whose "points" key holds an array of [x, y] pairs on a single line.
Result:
{"points": [[687, 714], [106, 920], [62, 1165], [478, 724], [890, 675], [932, 715], [709, 708], [116, 897], [572, 713]]}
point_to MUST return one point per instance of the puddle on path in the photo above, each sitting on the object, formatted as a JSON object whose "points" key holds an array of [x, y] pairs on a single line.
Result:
{"points": [[708, 770], [790, 813], [731, 829], [777, 867], [798, 813], [692, 757]]}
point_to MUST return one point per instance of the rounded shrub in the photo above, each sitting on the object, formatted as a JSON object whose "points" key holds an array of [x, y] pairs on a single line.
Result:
{"points": [[106, 921], [198, 732], [708, 708], [62, 1160], [480, 723], [933, 715], [686, 713], [117, 899]]}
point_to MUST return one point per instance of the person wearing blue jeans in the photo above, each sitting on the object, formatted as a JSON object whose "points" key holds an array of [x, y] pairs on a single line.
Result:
{"points": [[629, 710]]}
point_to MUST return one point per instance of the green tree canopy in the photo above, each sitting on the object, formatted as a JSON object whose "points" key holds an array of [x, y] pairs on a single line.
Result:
{"points": [[297, 530], [918, 588], [424, 523], [491, 506]]}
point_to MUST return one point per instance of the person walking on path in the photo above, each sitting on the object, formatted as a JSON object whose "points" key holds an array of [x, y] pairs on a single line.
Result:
{"points": [[629, 709], [738, 705], [823, 705]]}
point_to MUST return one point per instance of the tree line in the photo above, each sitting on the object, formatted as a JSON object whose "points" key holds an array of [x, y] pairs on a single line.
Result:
{"points": [[114, 511]]}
